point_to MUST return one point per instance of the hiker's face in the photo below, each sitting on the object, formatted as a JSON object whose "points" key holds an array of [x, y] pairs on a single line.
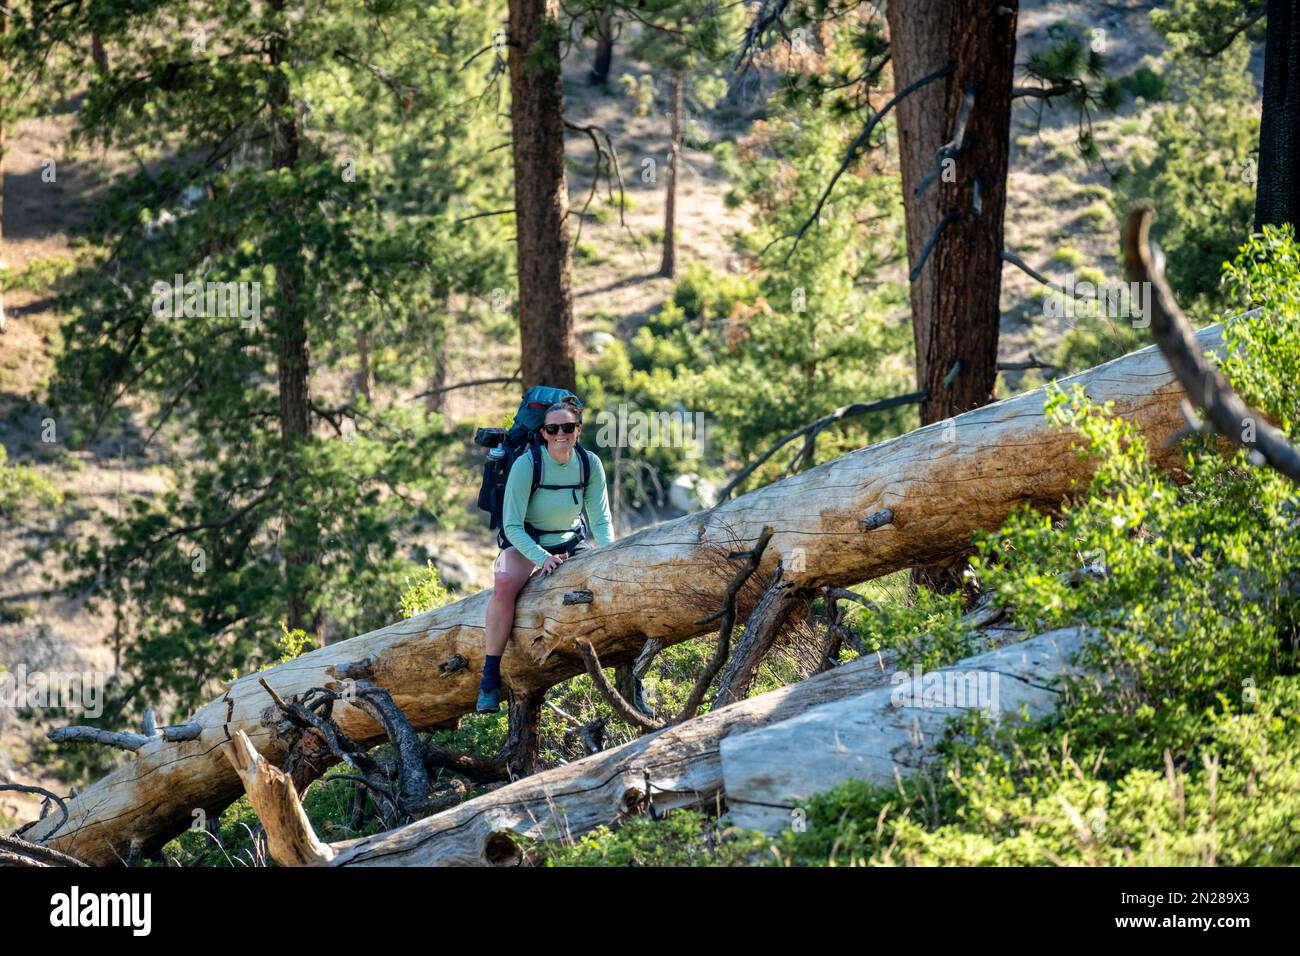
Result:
{"points": [[560, 442]]}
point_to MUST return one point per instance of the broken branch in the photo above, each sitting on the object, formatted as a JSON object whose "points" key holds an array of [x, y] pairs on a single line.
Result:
{"points": [[612, 697], [1204, 384]]}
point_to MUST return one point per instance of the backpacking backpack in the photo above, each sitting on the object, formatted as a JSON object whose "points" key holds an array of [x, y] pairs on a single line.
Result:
{"points": [[504, 446]]}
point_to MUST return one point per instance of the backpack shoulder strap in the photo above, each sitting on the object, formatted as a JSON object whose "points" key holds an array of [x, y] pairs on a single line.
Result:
{"points": [[535, 451], [585, 462], [586, 476]]}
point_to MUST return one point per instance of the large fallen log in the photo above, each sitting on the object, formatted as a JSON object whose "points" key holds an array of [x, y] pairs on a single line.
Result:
{"points": [[676, 767], [912, 500], [887, 733]]}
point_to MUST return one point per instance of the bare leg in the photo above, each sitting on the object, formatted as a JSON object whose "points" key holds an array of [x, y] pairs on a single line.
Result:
{"points": [[512, 572]]}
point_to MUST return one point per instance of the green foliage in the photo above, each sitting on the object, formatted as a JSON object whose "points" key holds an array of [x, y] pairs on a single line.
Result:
{"points": [[1199, 169], [326, 802], [424, 593], [1264, 352], [1071, 58], [684, 37], [1180, 747], [586, 252], [1075, 65], [1221, 546], [688, 43], [478, 733], [764, 352], [683, 838], [343, 212], [1146, 83], [1182, 752], [23, 488], [900, 627], [291, 644], [1068, 255], [641, 89], [1094, 339], [15, 612], [1097, 218], [1231, 803], [1201, 27]]}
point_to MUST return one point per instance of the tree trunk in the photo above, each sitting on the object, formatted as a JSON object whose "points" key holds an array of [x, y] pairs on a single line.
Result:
{"points": [[925, 496], [292, 366], [98, 55], [668, 266], [541, 195], [604, 58], [365, 380], [954, 227], [1277, 193], [4, 73], [524, 731], [955, 294], [918, 45], [625, 681], [435, 402]]}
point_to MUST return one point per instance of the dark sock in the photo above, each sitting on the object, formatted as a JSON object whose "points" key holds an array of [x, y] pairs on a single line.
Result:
{"points": [[491, 672]]}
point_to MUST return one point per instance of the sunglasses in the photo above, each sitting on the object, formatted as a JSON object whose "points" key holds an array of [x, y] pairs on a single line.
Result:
{"points": [[552, 427]]}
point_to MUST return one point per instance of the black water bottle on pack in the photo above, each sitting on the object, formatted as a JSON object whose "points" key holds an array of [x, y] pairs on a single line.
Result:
{"points": [[492, 490]]}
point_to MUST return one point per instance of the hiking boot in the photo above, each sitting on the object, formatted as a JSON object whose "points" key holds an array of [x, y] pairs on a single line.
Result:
{"points": [[489, 701]]}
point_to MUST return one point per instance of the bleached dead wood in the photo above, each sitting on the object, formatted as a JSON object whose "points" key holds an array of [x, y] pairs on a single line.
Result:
{"points": [[939, 484], [676, 767], [887, 733], [123, 740], [289, 836]]}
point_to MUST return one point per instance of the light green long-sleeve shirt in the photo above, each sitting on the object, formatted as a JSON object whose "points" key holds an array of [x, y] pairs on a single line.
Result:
{"points": [[554, 508]]}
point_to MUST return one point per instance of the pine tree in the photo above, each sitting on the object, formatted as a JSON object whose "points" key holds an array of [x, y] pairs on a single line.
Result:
{"points": [[684, 43], [302, 174]]}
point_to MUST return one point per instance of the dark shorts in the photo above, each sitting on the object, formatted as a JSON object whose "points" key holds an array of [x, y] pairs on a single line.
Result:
{"points": [[570, 548]]}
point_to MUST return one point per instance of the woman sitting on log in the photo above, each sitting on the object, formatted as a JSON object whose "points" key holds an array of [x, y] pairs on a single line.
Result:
{"points": [[542, 528]]}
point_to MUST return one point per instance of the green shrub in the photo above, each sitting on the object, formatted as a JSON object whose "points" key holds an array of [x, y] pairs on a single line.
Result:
{"points": [[1147, 84], [1068, 255], [1181, 745], [22, 488], [424, 593], [1097, 217], [1199, 170]]}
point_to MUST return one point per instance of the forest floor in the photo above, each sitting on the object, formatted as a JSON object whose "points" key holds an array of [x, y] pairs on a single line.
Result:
{"points": [[1059, 218]]}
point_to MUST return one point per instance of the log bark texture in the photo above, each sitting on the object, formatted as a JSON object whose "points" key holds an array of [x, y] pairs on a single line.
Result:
{"points": [[953, 150], [541, 194], [1277, 195], [941, 484], [679, 766], [290, 838], [886, 733]]}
